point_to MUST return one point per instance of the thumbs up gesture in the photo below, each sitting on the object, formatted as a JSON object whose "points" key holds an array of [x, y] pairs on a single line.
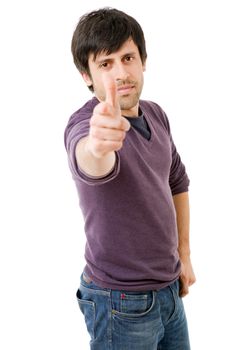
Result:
{"points": [[107, 127]]}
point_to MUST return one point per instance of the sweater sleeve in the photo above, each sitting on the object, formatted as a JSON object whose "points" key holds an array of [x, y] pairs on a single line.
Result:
{"points": [[77, 129], [178, 178]]}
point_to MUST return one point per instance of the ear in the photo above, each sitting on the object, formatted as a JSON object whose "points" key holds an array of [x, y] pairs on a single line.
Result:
{"points": [[87, 79], [144, 66]]}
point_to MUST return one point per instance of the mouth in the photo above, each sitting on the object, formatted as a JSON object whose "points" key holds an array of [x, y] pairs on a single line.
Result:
{"points": [[125, 89]]}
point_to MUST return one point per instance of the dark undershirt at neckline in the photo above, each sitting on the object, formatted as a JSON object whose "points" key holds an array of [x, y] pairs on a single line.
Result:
{"points": [[140, 124]]}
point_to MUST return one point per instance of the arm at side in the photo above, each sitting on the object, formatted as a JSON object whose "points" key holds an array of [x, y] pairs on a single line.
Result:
{"points": [[187, 277]]}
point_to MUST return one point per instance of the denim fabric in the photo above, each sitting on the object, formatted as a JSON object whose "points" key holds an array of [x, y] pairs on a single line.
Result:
{"points": [[121, 320]]}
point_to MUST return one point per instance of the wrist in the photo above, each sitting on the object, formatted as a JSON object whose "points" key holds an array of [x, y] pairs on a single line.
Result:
{"points": [[95, 154], [184, 254]]}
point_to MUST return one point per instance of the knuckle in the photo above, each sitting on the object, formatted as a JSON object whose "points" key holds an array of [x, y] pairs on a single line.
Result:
{"points": [[95, 132], [119, 124], [119, 145], [102, 108], [123, 135], [125, 124]]}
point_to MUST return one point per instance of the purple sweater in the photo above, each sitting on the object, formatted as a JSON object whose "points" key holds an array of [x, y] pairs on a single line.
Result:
{"points": [[129, 215]]}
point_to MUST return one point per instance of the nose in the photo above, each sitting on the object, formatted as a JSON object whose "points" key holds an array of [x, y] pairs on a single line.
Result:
{"points": [[121, 72]]}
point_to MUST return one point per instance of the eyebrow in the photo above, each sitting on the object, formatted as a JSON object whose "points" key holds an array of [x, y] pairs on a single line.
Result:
{"points": [[107, 58]]}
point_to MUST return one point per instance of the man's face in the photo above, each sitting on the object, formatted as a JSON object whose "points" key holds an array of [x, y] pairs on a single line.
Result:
{"points": [[126, 69]]}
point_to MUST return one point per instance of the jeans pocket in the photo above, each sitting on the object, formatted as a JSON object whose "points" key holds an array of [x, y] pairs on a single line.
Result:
{"points": [[129, 305], [87, 308]]}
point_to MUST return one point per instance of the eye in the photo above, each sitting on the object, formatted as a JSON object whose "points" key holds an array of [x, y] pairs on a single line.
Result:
{"points": [[104, 65], [129, 58]]}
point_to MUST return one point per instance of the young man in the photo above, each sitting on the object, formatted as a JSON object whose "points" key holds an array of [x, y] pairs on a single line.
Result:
{"points": [[133, 192]]}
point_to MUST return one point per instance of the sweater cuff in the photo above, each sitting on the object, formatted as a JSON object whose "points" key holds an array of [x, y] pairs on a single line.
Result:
{"points": [[100, 180]]}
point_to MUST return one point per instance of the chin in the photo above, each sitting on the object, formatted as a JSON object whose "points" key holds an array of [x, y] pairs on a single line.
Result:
{"points": [[128, 102]]}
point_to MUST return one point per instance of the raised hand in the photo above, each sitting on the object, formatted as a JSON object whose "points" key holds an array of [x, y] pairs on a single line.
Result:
{"points": [[107, 127]]}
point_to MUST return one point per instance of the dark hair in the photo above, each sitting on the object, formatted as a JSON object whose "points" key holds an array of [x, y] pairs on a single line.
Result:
{"points": [[104, 30]]}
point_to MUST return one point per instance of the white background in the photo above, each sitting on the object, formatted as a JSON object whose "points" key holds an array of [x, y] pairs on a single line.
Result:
{"points": [[189, 73]]}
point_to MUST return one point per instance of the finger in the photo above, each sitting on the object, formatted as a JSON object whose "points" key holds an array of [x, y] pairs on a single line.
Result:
{"points": [[110, 123], [125, 124], [103, 147], [184, 289], [108, 134], [192, 280], [110, 90]]}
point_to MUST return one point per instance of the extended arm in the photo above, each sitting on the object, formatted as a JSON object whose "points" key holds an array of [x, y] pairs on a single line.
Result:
{"points": [[187, 277], [95, 154]]}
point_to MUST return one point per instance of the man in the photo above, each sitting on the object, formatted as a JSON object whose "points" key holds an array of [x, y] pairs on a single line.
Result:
{"points": [[133, 192]]}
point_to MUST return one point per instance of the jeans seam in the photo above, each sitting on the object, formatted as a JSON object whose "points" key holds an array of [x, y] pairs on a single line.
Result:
{"points": [[175, 305], [110, 322], [123, 315], [93, 305]]}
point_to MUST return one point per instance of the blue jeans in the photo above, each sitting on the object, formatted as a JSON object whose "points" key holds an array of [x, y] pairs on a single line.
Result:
{"points": [[120, 320]]}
